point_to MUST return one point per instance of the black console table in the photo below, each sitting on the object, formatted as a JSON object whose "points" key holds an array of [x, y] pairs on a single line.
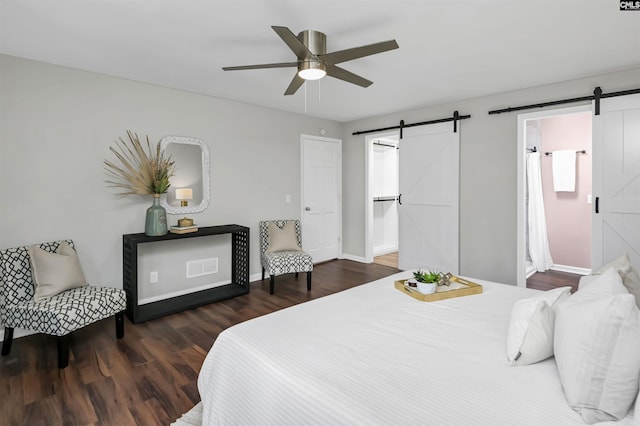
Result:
{"points": [[239, 273]]}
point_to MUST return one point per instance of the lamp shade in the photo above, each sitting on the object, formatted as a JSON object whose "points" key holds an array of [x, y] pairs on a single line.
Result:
{"points": [[184, 194], [312, 70]]}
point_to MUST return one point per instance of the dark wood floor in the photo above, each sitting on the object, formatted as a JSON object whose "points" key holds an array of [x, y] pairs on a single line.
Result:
{"points": [[553, 279], [150, 376]]}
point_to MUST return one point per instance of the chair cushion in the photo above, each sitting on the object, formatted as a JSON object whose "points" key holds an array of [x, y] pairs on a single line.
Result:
{"points": [[68, 311], [283, 239], [285, 262], [56, 272]]}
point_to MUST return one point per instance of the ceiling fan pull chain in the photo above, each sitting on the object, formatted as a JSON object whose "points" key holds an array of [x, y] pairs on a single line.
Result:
{"points": [[319, 87], [305, 97]]}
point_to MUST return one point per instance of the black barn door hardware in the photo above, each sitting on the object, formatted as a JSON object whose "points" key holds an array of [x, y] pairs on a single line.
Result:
{"points": [[455, 118], [597, 96]]}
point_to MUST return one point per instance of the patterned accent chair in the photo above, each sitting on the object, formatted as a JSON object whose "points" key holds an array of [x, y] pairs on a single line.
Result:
{"points": [[57, 315], [283, 262]]}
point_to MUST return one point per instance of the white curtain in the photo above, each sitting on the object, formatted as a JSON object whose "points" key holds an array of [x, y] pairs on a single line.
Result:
{"points": [[537, 222]]}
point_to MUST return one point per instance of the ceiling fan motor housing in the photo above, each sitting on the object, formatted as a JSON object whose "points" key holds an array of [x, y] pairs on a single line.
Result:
{"points": [[315, 41]]}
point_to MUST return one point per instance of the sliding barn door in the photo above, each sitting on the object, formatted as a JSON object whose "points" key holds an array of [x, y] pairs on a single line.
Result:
{"points": [[429, 202], [616, 180]]}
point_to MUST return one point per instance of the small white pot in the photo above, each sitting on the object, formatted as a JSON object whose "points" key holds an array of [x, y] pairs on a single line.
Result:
{"points": [[427, 288]]}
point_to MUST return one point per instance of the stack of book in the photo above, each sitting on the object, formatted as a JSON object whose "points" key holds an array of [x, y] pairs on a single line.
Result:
{"points": [[183, 229]]}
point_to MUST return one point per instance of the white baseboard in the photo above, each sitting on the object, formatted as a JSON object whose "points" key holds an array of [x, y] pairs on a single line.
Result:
{"points": [[571, 269], [257, 277], [382, 250], [354, 258]]}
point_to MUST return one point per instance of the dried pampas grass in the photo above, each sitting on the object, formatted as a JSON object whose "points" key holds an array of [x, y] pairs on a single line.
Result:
{"points": [[140, 171]]}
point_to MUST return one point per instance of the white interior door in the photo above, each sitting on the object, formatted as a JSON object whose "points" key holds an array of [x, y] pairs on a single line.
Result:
{"points": [[616, 180], [321, 197], [429, 198]]}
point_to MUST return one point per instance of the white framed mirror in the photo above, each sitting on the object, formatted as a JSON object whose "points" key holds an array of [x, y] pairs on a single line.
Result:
{"points": [[191, 158]]}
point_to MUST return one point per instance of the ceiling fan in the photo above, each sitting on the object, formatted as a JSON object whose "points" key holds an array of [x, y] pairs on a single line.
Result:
{"points": [[313, 60]]}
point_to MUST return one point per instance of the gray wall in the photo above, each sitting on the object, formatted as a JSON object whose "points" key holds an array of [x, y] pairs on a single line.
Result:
{"points": [[488, 171], [56, 127]]}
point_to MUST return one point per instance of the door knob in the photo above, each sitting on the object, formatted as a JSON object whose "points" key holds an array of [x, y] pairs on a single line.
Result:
{"points": [[307, 209]]}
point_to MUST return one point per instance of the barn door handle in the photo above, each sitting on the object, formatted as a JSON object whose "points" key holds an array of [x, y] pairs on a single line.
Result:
{"points": [[597, 205]]}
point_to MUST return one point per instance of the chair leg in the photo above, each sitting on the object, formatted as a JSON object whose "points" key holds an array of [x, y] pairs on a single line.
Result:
{"points": [[262, 274], [8, 339], [120, 325], [63, 351], [309, 281], [272, 280]]}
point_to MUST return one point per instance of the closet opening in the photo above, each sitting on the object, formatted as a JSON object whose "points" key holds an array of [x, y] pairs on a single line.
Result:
{"points": [[554, 192], [381, 235]]}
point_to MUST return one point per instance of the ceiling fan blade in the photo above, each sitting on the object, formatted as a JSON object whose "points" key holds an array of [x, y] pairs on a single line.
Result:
{"points": [[255, 67], [292, 41], [358, 52], [294, 85], [347, 76]]}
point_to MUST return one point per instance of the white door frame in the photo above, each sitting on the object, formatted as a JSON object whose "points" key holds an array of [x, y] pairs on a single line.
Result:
{"points": [[368, 191], [303, 137], [521, 180]]}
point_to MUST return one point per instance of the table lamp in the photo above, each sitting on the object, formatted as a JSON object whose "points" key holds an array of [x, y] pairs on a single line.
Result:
{"points": [[184, 195]]}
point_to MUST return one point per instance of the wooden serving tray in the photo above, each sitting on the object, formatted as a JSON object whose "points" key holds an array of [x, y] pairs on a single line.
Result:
{"points": [[458, 287]]}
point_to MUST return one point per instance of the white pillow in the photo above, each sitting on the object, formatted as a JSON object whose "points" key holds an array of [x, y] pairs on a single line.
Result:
{"points": [[629, 275], [54, 273], [597, 351], [607, 283], [282, 239], [530, 335]]}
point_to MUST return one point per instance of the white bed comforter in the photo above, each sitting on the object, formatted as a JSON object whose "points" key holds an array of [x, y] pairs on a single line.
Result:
{"points": [[373, 355]]}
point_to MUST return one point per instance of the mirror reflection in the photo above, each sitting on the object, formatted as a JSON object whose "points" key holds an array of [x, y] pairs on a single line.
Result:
{"points": [[189, 191]]}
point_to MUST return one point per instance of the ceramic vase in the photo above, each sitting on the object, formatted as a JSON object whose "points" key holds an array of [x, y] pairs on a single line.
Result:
{"points": [[427, 288], [156, 221]]}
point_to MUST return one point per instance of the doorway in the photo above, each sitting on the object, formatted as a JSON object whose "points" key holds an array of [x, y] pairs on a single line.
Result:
{"points": [[382, 198], [554, 221]]}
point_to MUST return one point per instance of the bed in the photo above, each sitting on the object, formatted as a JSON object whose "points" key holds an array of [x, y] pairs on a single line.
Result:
{"points": [[373, 355]]}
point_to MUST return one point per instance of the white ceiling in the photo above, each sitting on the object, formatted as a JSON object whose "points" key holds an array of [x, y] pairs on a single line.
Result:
{"points": [[449, 50]]}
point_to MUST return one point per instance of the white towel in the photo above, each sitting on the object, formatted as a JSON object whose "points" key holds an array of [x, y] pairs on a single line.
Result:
{"points": [[563, 166]]}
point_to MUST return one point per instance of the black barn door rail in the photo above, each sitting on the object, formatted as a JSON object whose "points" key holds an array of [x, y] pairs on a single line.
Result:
{"points": [[456, 116], [597, 95]]}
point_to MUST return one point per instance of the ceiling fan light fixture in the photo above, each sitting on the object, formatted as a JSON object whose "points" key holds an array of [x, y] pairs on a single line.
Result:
{"points": [[312, 70]]}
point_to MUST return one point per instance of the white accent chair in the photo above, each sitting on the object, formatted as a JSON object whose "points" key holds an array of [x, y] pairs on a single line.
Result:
{"points": [[57, 315], [283, 261]]}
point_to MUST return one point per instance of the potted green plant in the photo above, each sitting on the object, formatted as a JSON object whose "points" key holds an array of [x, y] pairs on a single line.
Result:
{"points": [[427, 281]]}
